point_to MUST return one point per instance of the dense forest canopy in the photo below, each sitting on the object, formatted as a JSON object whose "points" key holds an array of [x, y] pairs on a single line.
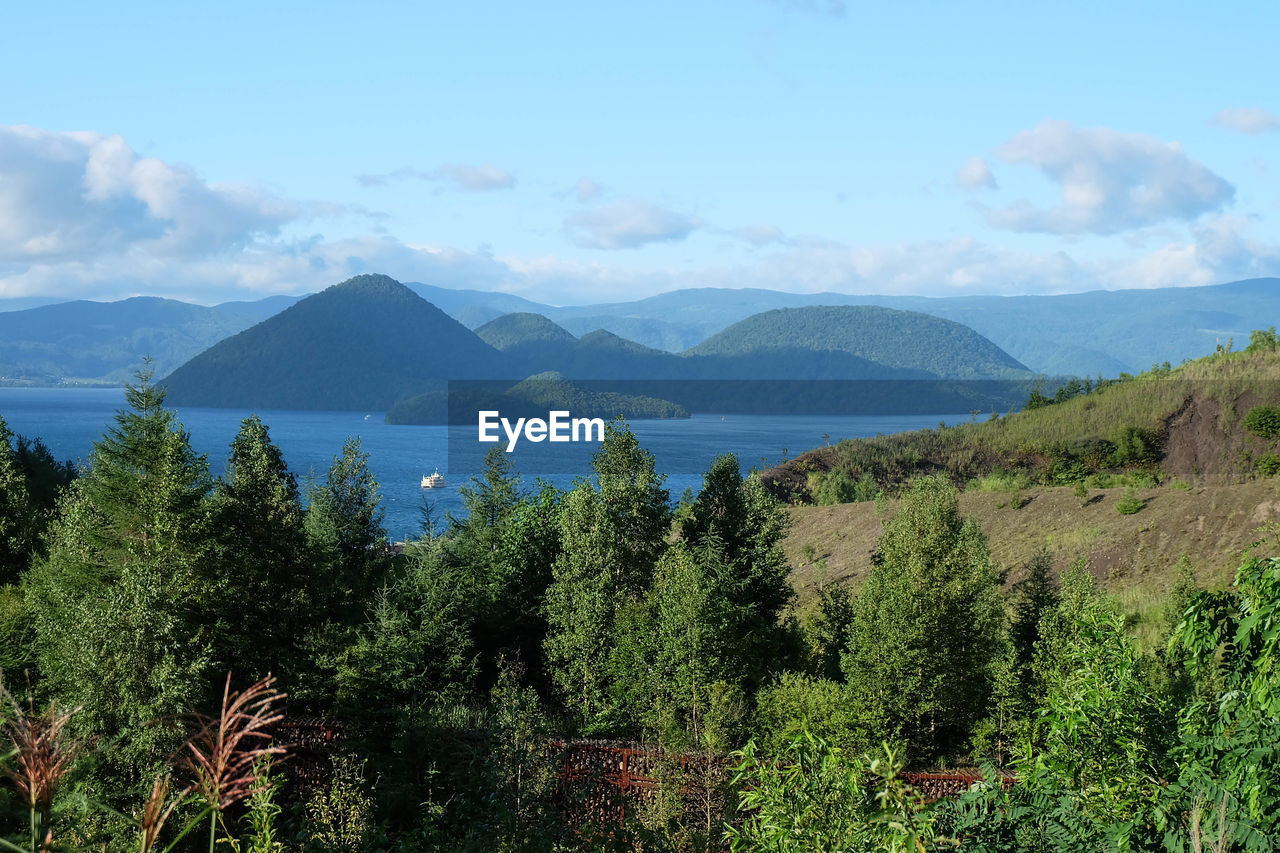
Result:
{"points": [[455, 666]]}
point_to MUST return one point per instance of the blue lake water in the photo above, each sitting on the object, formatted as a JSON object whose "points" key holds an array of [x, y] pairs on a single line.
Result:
{"points": [[71, 420]]}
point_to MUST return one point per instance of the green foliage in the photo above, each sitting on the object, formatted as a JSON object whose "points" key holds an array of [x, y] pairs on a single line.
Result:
{"points": [[1263, 421], [838, 487], [928, 626], [611, 536], [816, 798], [735, 527], [120, 606], [1135, 445], [262, 815], [340, 817], [798, 703], [1103, 729], [826, 630], [1130, 502], [1227, 752], [17, 514], [266, 578], [1263, 340], [1269, 464], [17, 635], [414, 645]]}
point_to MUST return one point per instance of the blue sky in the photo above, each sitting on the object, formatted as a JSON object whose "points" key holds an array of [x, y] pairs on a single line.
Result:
{"points": [[599, 152]]}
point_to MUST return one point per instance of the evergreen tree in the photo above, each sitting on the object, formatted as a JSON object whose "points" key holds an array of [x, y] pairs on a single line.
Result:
{"points": [[928, 625], [1030, 599], [344, 528], [121, 604], [635, 503], [676, 660], [736, 527], [611, 537], [346, 540], [16, 513], [266, 568], [581, 605]]}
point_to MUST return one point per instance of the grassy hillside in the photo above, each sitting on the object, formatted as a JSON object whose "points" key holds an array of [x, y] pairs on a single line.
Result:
{"points": [[1185, 422], [901, 339]]}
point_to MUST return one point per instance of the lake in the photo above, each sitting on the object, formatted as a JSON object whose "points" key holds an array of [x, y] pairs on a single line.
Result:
{"points": [[70, 420]]}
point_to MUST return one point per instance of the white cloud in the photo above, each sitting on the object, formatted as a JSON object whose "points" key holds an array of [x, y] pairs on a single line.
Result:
{"points": [[975, 174], [1246, 120], [78, 196], [1110, 181], [586, 190], [460, 176], [628, 224]]}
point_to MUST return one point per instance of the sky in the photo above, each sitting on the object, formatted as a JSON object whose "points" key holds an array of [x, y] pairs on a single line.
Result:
{"points": [[577, 153]]}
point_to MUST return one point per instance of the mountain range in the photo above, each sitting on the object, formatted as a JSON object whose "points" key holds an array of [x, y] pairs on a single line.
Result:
{"points": [[1085, 334], [371, 342]]}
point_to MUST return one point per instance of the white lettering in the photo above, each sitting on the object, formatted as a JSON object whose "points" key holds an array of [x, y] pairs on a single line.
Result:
{"points": [[587, 424], [487, 423], [512, 434], [559, 426]]}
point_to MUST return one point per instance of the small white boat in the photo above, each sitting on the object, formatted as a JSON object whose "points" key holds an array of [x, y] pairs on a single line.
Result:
{"points": [[433, 481]]}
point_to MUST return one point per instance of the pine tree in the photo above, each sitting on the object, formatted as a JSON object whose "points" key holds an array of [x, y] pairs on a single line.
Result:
{"points": [[266, 567], [16, 513], [610, 541], [344, 528], [736, 528], [347, 542], [121, 604]]}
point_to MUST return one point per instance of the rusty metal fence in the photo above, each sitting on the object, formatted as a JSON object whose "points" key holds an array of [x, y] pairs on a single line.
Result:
{"points": [[599, 782]]}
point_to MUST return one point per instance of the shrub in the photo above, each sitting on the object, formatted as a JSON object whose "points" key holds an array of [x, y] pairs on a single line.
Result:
{"points": [[1130, 503], [1269, 464], [838, 487], [1263, 421], [819, 799], [1135, 446]]}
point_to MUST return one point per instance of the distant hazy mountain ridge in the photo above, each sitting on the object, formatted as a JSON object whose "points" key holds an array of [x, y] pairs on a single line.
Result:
{"points": [[1085, 334]]}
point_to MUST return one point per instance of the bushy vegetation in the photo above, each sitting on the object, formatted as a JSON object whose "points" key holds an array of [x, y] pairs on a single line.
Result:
{"points": [[455, 670]]}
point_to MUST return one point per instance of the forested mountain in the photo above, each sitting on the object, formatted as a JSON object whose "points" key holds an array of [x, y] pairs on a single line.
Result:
{"points": [[906, 340], [1083, 334], [361, 344], [526, 337], [108, 340]]}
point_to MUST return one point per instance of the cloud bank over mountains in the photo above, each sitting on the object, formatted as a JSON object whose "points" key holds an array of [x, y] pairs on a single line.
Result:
{"points": [[83, 214]]}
